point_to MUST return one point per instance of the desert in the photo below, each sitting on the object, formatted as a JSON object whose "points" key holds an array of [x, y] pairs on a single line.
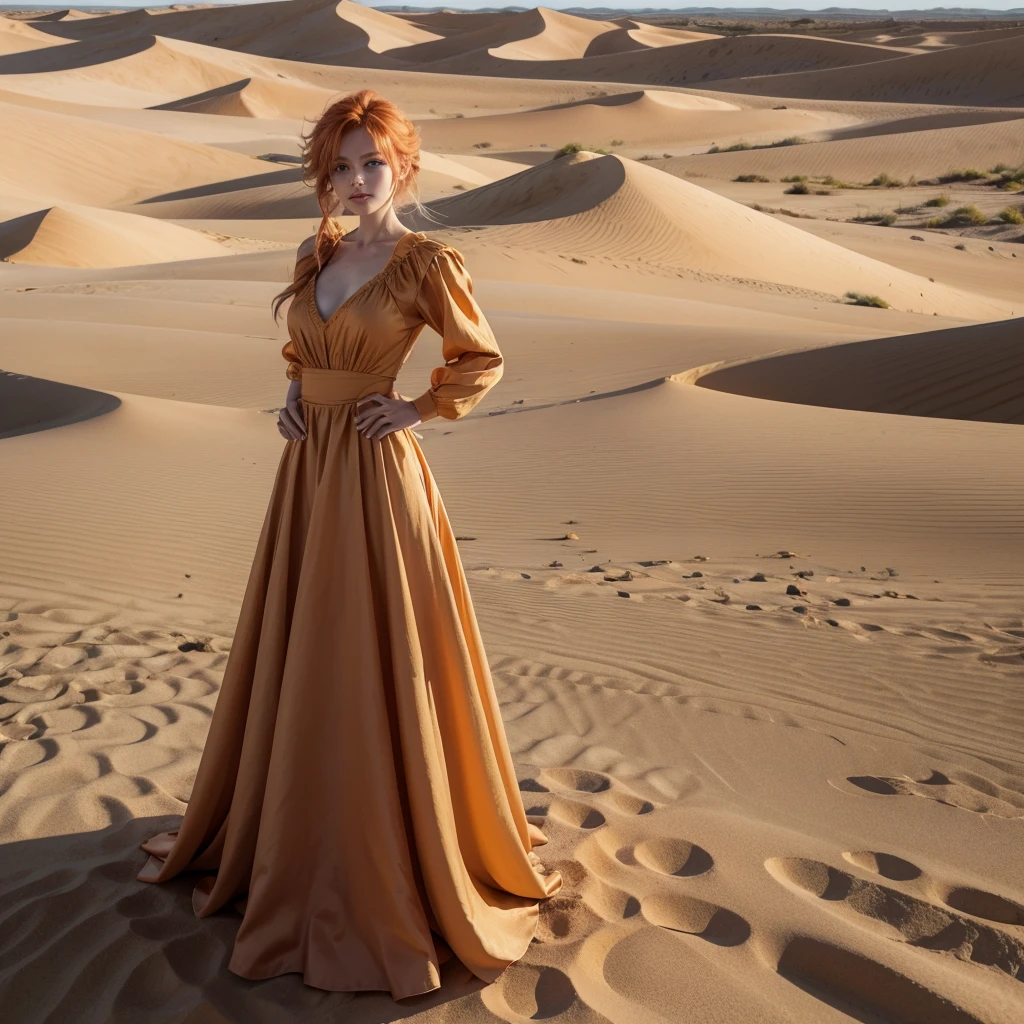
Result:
{"points": [[759, 286]]}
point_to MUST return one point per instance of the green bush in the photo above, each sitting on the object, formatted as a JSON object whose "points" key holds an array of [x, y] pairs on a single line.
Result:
{"points": [[859, 299], [800, 188], [1011, 216], [966, 215], [938, 201], [833, 182], [751, 177], [886, 181], [967, 174], [795, 177]]}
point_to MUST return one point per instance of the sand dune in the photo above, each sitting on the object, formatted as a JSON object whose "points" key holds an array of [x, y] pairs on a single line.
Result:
{"points": [[690, 63], [635, 35], [646, 117], [964, 373], [81, 236], [143, 71], [155, 165], [311, 30], [925, 154], [536, 34], [609, 207], [925, 122], [28, 404], [256, 97], [18, 37], [934, 40], [989, 73]]}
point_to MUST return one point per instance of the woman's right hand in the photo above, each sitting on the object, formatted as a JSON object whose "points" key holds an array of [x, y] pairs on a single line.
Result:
{"points": [[290, 421]]}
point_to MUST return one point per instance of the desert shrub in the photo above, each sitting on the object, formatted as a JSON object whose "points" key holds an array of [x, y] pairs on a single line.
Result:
{"points": [[790, 140], [907, 209], [966, 215], [887, 220], [799, 188], [616, 142], [886, 180], [834, 182], [860, 299], [966, 174], [999, 168], [1011, 216], [1011, 179], [795, 177], [486, 145], [751, 177], [938, 201], [822, 192]]}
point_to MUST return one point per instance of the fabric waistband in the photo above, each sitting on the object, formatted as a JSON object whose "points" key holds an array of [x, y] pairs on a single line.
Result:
{"points": [[335, 387]]}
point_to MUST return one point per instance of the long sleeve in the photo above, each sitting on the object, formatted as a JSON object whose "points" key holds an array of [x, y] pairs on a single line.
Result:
{"points": [[473, 363]]}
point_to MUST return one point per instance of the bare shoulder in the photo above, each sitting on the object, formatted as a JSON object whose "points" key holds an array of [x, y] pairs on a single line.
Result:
{"points": [[306, 248]]}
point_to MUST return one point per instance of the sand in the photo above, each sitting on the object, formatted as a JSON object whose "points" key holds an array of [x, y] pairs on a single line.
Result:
{"points": [[708, 517]]}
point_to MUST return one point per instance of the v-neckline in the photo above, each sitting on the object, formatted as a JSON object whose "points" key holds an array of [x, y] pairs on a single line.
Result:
{"points": [[315, 310]]}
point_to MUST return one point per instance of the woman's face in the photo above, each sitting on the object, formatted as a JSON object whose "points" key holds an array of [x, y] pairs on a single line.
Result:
{"points": [[360, 168]]}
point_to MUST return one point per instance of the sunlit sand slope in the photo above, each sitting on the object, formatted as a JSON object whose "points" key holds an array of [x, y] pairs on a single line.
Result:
{"points": [[990, 72]]}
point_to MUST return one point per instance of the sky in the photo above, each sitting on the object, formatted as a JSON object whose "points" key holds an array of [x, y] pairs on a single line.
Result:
{"points": [[810, 5]]}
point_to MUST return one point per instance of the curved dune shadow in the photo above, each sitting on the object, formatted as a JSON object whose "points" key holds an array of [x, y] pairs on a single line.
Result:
{"points": [[963, 373], [28, 404]]}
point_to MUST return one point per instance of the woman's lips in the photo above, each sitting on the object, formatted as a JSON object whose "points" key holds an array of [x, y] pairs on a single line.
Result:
{"points": [[359, 198]]}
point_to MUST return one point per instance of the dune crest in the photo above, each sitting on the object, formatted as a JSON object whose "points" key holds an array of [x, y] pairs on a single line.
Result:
{"points": [[963, 373], [82, 236]]}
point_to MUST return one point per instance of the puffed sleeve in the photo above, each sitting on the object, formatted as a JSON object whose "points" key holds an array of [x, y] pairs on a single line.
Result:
{"points": [[472, 361]]}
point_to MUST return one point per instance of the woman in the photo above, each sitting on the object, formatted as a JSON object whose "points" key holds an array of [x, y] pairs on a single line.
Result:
{"points": [[356, 781]]}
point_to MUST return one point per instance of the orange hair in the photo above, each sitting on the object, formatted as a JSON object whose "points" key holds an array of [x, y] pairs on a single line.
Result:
{"points": [[395, 137]]}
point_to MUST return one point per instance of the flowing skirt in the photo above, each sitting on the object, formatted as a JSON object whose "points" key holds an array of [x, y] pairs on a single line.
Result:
{"points": [[356, 790]]}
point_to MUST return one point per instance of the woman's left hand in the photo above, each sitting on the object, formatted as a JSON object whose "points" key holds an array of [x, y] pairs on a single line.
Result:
{"points": [[379, 415]]}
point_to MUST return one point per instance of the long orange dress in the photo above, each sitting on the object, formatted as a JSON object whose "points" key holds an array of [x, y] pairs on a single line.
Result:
{"points": [[356, 797]]}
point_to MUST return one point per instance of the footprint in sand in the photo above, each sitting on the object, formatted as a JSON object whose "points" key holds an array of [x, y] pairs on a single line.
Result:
{"points": [[930, 917], [968, 792], [536, 992], [844, 979], [558, 793]]}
